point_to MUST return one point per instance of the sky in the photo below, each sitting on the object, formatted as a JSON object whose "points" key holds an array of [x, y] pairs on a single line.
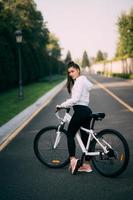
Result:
{"points": [[84, 24]]}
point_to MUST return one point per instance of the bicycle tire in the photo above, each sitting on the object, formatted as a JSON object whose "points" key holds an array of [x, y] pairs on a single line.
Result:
{"points": [[116, 161], [44, 151]]}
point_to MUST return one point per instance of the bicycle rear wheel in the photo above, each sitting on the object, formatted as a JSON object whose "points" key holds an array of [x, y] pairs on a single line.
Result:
{"points": [[116, 160], [45, 151]]}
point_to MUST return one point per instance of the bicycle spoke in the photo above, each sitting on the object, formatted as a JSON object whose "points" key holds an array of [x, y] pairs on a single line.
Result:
{"points": [[45, 151], [115, 161]]}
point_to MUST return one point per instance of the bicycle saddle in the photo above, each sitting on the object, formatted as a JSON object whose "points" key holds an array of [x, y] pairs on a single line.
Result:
{"points": [[97, 116]]}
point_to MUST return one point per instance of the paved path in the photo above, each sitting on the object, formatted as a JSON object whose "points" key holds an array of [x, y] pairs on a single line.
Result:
{"points": [[23, 177]]}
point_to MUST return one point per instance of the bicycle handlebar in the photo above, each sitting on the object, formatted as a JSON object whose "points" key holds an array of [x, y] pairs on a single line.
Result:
{"points": [[67, 109], [57, 112]]}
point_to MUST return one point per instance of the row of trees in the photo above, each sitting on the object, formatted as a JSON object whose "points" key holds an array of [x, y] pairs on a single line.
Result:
{"points": [[40, 49], [86, 61], [124, 47]]}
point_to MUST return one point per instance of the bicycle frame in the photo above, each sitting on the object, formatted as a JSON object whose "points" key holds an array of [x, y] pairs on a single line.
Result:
{"points": [[91, 136], [107, 150]]}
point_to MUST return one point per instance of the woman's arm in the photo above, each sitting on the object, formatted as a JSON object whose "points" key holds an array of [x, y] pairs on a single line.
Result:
{"points": [[76, 93], [80, 83]]}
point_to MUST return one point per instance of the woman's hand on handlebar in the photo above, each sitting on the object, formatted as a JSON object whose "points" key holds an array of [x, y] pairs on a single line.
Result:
{"points": [[58, 107]]}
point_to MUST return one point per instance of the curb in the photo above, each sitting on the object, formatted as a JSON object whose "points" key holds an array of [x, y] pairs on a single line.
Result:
{"points": [[10, 129]]}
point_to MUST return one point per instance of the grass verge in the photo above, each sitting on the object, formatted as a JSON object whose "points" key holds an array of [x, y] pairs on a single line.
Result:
{"points": [[122, 75], [10, 105]]}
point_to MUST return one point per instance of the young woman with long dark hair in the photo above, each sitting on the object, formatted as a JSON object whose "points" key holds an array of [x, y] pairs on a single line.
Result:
{"points": [[78, 87]]}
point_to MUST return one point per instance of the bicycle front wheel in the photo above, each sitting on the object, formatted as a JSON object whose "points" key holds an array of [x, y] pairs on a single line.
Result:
{"points": [[46, 152], [116, 160]]}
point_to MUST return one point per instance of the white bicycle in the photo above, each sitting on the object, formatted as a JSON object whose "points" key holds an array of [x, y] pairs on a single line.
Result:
{"points": [[107, 149]]}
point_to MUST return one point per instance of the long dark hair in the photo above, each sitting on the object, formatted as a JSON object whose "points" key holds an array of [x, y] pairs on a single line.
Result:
{"points": [[70, 81]]}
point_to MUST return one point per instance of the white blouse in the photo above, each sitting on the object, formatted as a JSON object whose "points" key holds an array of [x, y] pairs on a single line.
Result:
{"points": [[80, 93]]}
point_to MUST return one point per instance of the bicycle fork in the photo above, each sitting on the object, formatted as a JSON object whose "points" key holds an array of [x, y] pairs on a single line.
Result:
{"points": [[58, 137]]}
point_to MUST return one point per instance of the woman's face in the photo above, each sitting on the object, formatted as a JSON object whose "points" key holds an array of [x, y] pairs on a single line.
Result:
{"points": [[73, 72]]}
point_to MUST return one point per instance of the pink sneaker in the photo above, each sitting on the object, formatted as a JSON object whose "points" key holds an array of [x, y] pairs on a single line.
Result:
{"points": [[74, 165], [85, 168]]}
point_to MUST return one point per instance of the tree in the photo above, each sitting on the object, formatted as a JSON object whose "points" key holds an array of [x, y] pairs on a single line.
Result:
{"points": [[105, 55], [85, 60], [68, 58], [99, 56], [23, 14], [125, 31], [53, 47]]}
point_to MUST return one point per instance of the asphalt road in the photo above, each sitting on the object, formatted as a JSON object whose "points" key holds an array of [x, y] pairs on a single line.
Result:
{"points": [[23, 177]]}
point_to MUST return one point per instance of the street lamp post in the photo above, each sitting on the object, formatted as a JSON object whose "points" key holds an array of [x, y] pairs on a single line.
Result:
{"points": [[18, 34], [50, 70]]}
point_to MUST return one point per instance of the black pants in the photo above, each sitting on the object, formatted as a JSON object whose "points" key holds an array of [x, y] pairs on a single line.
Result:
{"points": [[79, 118]]}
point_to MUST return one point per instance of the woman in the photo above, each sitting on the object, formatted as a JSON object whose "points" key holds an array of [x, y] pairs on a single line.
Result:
{"points": [[78, 87]]}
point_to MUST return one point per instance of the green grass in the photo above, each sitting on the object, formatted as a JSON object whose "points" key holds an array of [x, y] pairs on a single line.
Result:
{"points": [[10, 105], [120, 75], [123, 75]]}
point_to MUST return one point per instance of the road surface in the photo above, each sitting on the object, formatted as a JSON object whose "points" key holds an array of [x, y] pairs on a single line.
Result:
{"points": [[23, 177]]}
